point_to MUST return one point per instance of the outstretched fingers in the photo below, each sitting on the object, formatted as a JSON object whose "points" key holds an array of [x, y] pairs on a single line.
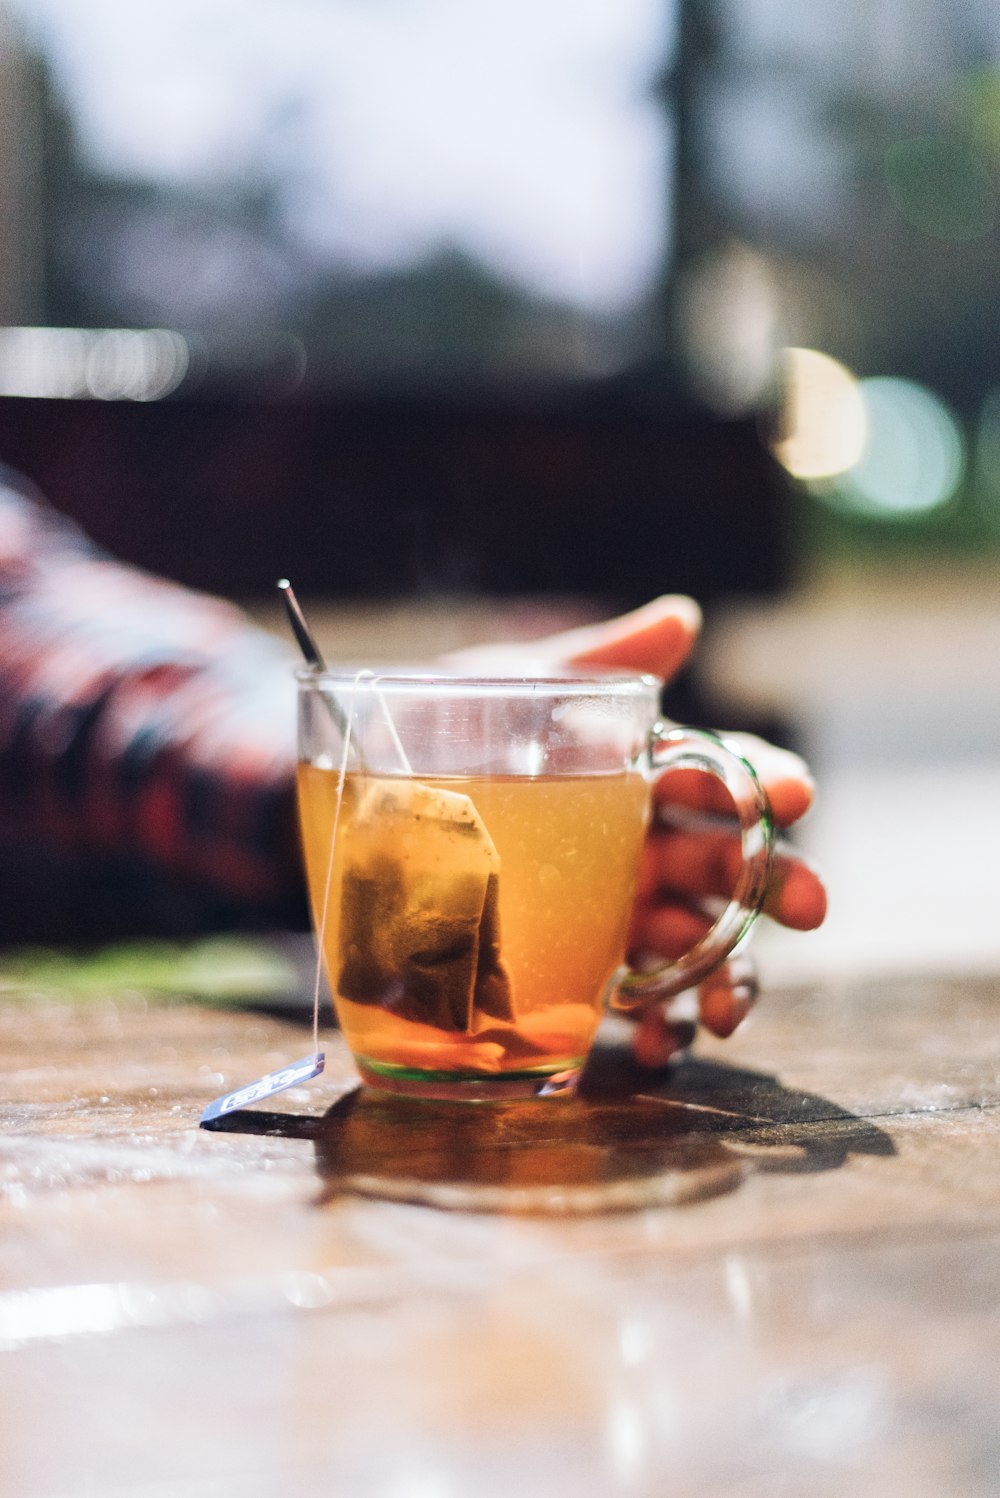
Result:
{"points": [[692, 865], [724, 1000], [784, 777], [658, 638]]}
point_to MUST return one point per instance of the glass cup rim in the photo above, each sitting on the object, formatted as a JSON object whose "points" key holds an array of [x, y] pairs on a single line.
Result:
{"points": [[574, 680]]}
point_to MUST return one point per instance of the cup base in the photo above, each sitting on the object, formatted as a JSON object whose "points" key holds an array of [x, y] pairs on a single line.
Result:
{"points": [[469, 1087]]}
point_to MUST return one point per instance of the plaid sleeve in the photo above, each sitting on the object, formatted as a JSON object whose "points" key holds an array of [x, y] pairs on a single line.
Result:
{"points": [[139, 719]]}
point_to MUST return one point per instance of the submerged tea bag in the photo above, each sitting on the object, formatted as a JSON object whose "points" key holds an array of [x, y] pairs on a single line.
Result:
{"points": [[419, 924]]}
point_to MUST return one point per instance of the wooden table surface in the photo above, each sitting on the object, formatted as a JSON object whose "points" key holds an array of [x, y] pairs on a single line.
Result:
{"points": [[773, 1270]]}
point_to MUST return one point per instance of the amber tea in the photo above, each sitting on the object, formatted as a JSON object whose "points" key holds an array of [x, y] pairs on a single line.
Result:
{"points": [[471, 925]]}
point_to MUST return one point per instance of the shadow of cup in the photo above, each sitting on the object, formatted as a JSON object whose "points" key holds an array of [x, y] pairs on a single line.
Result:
{"points": [[626, 1142], [629, 1140]]}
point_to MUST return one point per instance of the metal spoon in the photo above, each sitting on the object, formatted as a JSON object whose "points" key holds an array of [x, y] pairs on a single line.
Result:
{"points": [[310, 650], [300, 629], [314, 658]]}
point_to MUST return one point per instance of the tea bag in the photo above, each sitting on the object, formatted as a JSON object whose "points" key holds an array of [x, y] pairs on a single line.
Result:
{"points": [[419, 922]]}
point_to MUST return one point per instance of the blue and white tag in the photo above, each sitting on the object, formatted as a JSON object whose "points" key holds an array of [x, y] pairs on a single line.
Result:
{"points": [[255, 1092]]}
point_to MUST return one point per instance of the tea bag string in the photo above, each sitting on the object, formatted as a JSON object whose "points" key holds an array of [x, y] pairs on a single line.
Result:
{"points": [[349, 723], [341, 779]]}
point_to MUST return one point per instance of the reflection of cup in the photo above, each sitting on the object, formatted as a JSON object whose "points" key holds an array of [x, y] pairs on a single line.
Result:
{"points": [[472, 850]]}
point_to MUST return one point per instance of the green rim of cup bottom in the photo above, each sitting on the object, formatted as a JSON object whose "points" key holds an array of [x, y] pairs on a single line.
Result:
{"points": [[480, 1078]]}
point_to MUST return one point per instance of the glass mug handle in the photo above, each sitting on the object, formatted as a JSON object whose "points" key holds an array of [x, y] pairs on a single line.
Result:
{"points": [[671, 748]]}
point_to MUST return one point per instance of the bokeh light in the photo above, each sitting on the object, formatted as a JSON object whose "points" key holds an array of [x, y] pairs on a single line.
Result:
{"points": [[136, 364], [987, 460], [979, 105], [824, 423], [913, 457], [942, 187], [728, 314]]}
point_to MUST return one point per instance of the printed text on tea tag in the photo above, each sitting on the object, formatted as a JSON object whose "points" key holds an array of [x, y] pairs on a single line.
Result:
{"points": [[264, 1087]]}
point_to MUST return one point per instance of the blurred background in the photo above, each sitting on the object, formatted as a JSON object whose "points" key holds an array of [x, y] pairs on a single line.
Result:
{"points": [[478, 319]]}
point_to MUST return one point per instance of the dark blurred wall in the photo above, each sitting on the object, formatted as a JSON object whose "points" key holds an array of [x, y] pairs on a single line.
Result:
{"points": [[386, 496]]}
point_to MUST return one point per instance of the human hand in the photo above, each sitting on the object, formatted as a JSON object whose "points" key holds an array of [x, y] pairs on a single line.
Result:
{"points": [[692, 854]]}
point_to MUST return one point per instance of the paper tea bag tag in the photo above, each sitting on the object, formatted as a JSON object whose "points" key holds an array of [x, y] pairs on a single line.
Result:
{"points": [[419, 925], [255, 1092]]}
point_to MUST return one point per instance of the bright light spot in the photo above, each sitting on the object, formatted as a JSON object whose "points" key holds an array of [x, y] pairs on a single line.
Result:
{"points": [[626, 1440], [421, 1485], [633, 1341], [824, 418], [729, 312], [92, 363], [738, 1286], [534, 758], [307, 1290], [914, 455], [59, 1311]]}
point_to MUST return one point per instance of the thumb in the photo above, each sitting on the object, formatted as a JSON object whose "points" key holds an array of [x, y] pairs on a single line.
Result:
{"points": [[658, 638]]}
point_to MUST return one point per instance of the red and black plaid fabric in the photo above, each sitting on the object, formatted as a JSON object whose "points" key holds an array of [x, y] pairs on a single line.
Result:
{"points": [[143, 727]]}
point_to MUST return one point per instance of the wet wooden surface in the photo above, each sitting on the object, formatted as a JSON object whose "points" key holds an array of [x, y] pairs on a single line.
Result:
{"points": [[773, 1270]]}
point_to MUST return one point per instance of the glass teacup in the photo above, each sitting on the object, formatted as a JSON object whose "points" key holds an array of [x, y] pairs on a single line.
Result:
{"points": [[472, 847]]}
